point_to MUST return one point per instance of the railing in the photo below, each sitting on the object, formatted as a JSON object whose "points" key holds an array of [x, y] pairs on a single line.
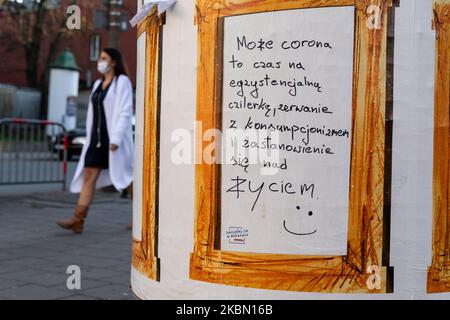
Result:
{"points": [[32, 152]]}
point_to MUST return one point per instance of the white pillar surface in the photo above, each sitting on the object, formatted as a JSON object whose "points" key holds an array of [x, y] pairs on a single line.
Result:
{"points": [[412, 163], [63, 84]]}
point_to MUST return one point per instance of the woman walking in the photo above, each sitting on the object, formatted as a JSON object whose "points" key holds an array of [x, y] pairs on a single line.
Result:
{"points": [[107, 156]]}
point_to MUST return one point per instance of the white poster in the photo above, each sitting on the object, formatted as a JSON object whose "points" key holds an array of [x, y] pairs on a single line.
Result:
{"points": [[287, 111]]}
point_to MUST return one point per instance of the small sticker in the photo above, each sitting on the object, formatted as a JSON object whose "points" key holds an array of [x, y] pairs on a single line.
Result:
{"points": [[236, 235]]}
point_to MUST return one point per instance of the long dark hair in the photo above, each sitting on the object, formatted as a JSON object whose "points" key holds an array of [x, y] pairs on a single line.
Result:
{"points": [[120, 67]]}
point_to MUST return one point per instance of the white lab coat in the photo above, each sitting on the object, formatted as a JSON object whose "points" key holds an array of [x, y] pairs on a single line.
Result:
{"points": [[118, 105]]}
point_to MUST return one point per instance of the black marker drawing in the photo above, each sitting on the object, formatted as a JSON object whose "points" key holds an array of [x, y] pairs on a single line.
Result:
{"points": [[310, 213]]}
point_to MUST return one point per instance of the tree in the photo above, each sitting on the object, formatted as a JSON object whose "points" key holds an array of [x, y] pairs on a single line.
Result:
{"points": [[27, 24], [39, 28]]}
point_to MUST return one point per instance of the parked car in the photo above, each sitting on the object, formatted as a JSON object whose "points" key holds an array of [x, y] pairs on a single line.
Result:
{"points": [[76, 139]]}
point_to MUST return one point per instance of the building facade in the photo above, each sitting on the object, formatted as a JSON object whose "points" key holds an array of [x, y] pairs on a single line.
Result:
{"points": [[104, 24]]}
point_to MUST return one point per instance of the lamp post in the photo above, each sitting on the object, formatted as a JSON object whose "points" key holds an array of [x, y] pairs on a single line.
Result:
{"points": [[63, 87]]}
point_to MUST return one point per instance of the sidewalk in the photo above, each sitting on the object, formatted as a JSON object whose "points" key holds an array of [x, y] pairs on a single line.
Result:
{"points": [[35, 252]]}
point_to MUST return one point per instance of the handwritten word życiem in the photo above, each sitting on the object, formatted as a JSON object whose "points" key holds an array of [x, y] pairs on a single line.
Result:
{"points": [[240, 185]]}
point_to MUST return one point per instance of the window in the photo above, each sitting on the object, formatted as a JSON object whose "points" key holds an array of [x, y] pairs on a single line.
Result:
{"points": [[101, 19], [95, 47]]}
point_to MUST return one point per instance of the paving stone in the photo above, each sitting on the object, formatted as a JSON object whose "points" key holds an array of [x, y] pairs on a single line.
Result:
{"points": [[86, 284], [35, 253], [47, 279], [110, 292], [101, 273], [33, 292], [10, 283], [120, 279], [16, 273], [80, 297]]}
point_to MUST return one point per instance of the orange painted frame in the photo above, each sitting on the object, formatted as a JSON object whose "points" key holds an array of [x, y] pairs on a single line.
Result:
{"points": [[347, 274], [144, 257], [439, 272]]}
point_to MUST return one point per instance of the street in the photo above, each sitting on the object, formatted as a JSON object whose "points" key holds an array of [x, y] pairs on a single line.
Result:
{"points": [[35, 253]]}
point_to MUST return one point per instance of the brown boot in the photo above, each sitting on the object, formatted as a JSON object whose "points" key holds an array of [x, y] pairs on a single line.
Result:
{"points": [[76, 223]]}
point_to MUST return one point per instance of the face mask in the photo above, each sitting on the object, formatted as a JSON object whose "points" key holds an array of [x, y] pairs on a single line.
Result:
{"points": [[103, 67]]}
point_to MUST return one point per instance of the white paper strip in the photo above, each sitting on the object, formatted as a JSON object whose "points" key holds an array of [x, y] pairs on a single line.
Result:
{"points": [[163, 5]]}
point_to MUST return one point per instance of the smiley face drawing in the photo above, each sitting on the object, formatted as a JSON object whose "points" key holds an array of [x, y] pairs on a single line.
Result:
{"points": [[298, 233]]}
